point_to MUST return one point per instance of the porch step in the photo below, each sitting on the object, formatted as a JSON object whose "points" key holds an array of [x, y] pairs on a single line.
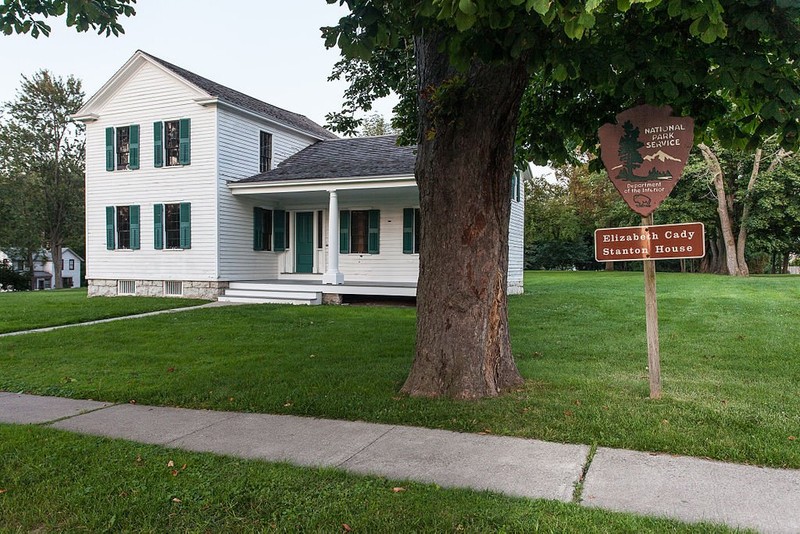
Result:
{"points": [[271, 296]]}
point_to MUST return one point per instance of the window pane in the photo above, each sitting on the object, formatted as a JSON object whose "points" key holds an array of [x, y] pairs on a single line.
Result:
{"points": [[172, 225], [172, 142], [359, 231], [265, 152], [123, 147], [123, 227]]}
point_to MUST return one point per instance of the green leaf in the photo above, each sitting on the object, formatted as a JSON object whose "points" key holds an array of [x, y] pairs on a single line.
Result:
{"points": [[586, 20], [560, 73], [540, 6], [674, 8], [623, 5], [468, 7]]}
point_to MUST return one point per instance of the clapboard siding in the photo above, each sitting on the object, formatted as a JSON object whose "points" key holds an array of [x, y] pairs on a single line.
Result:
{"points": [[516, 247], [239, 138], [146, 96]]}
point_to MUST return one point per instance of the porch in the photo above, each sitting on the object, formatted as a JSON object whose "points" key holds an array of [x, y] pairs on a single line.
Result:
{"points": [[310, 292]]}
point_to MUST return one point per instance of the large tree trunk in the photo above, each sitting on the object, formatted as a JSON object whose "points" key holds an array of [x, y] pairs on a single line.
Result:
{"points": [[725, 224], [464, 167], [55, 252]]}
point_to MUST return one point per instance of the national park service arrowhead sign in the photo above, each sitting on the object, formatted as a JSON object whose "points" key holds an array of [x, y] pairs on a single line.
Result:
{"points": [[644, 154]]}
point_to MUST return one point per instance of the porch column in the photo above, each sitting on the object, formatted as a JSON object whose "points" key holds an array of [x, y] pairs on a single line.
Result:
{"points": [[332, 276]]}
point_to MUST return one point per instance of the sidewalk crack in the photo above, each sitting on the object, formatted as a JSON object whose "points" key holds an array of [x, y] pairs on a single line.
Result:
{"points": [[577, 493], [85, 412], [362, 449]]}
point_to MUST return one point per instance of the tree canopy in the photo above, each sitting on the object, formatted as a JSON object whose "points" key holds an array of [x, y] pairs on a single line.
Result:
{"points": [[28, 16], [731, 65]]}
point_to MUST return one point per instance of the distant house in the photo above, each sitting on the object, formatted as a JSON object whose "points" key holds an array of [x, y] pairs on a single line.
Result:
{"points": [[194, 189], [44, 271]]}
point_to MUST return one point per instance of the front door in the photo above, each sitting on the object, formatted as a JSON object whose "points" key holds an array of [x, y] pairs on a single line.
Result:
{"points": [[304, 242]]}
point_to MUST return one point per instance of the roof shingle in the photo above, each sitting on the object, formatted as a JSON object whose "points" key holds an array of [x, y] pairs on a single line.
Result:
{"points": [[242, 100], [344, 158]]}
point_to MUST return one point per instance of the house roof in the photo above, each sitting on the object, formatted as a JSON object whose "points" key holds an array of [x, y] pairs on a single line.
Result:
{"points": [[344, 158], [236, 98]]}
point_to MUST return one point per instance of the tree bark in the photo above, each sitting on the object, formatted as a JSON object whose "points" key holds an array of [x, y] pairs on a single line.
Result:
{"points": [[741, 241], [464, 168], [723, 210]]}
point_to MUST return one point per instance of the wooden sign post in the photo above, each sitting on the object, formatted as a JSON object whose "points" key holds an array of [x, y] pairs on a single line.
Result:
{"points": [[644, 154]]}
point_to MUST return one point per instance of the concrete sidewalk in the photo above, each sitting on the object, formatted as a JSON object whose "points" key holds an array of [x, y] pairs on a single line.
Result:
{"points": [[689, 489]]}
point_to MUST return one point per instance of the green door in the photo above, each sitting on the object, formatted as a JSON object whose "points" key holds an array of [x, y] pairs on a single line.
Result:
{"points": [[304, 242]]}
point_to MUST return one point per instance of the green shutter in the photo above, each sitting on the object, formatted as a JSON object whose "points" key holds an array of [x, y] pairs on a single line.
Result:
{"points": [[110, 150], [110, 227], [158, 144], [279, 230], [373, 238], [258, 229], [344, 232], [184, 147], [186, 225], [134, 213], [133, 160], [408, 230], [158, 226]]}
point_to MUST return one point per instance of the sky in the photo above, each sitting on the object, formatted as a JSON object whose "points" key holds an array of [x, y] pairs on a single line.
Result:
{"points": [[269, 49]]}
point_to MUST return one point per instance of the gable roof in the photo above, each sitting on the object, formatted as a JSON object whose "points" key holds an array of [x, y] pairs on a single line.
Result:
{"points": [[247, 102], [212, 89], [344, 158]]}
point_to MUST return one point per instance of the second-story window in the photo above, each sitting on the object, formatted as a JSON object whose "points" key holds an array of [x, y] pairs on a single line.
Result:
{"points": [[123, 147], [171, 143], [265, 152]]}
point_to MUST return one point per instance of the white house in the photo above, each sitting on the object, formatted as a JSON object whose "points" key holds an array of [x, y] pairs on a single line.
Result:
{"points": [[198, 190], [44, 271]]}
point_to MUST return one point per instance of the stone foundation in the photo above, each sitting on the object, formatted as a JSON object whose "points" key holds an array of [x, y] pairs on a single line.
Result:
{"points": [[515, 287], [157, 288], [331, 298]]}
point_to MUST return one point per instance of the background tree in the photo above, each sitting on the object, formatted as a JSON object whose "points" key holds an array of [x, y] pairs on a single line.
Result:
{"points": [[561, 215], [734, 174], [43, 152], [375, 125]]}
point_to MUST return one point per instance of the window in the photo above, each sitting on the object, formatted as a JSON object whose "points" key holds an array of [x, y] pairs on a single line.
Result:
{"points": [[122, 147], [71, 265], [265, 152], [62, 265], [411, 226], [126, 287], [262, 229], [173, 288], [359, 231], [172, 226], [171, 143], [122, 227]]}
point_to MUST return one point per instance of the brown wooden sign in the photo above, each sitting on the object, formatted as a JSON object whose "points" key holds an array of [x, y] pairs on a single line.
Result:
{"points": [[644, 154], [656, 242]]}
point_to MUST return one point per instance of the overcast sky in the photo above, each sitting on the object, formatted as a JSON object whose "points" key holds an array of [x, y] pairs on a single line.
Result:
{"points": [[268, 49]]}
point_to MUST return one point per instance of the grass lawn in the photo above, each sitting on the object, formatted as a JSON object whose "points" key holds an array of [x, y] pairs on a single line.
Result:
{"points": [[26, 310], [730, 365], [61, 482]]}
